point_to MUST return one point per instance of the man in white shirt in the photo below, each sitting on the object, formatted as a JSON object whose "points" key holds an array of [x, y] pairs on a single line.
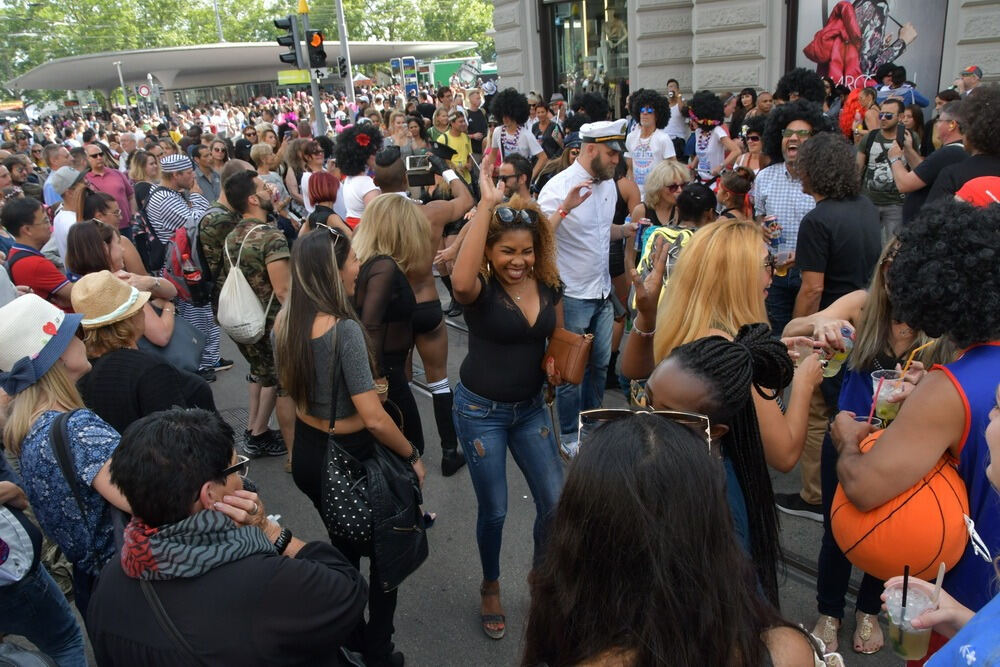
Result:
{"points": [[128, 144], [579, 205]]}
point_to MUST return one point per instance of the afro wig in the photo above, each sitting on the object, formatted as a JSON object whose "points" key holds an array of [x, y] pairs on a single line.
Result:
{"points": [[592, 104], [781, 116], [945, 280], [647, 97], [754, 124], [575, 122], [509, 103], [706, 106], [355, 145], [806, 83], [980, 110]]}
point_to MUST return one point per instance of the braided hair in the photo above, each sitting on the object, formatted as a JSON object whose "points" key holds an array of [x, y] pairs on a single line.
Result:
{"points": [[754, 359]]}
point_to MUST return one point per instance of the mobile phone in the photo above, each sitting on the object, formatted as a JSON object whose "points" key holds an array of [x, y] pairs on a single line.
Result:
{"points": [[901, 135]]}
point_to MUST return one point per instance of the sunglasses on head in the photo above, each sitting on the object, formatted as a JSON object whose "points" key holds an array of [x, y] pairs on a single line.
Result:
{"points": [[507, 215], [590, 420], [241, 467], [886, 115], [801, 134]]}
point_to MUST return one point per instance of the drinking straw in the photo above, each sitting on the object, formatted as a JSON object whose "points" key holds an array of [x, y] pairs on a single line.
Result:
{"points": [[937, 584], [909, 359], [906, 583], [875, 399]]}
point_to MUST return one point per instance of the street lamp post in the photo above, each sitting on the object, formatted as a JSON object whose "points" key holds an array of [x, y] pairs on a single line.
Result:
{"points": [[118, 66], [345, 51], [218, 20]]}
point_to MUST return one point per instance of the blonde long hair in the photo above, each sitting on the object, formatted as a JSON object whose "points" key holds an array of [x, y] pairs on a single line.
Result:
{"points": [[875, 324], [394, 226], [716, 284], [53, 388]]}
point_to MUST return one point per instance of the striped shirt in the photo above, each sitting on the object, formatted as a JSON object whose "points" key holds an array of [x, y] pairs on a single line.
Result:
{"points": [[776, 192], [168, 210]]}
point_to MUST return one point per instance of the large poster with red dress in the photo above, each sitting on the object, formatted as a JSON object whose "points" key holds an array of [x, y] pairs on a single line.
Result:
{"points": [[849, 40]]}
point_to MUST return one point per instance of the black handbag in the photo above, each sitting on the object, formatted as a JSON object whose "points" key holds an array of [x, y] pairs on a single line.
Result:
{"points": [[373, 504], [183, 350]]}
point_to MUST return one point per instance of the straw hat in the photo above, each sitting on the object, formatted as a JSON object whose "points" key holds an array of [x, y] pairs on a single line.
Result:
{"points": [[33, 334], [103, 299]]}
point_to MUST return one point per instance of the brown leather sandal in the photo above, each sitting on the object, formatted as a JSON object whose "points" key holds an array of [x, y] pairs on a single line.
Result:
{"points": [[498, 621]]}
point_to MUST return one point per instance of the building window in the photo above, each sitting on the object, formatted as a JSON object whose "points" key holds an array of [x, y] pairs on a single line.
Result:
{"points": [[589, 40]]}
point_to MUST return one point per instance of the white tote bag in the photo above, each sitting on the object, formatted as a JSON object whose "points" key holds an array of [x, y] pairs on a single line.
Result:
{"points": [[240, 312]]}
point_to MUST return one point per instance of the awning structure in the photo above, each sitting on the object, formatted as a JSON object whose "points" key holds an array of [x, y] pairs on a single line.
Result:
{"points": [[181, 67]]}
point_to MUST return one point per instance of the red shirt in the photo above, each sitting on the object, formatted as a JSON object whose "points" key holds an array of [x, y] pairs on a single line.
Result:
{"points": [[35, 271], [118, 186]]}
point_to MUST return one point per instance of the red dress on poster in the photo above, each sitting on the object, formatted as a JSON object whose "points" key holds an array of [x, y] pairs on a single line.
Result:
{"points": [[836, 47]]}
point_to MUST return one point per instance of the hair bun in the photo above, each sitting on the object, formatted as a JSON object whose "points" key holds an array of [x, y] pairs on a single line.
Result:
{"points": [[772, 367]]}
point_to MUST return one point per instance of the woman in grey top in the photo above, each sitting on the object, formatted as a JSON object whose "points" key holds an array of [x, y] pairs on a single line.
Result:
{"points": [[324, 270]]}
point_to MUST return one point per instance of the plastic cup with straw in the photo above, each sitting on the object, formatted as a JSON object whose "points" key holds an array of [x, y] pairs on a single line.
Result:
{"points": [[904, 601]]}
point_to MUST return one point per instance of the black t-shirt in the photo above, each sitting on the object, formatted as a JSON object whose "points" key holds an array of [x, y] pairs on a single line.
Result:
{"points": [[504, 362], [928, 171], [477, 123], [426, 109], [842, 239], [951, 179], [125, 385], [385, 304]]}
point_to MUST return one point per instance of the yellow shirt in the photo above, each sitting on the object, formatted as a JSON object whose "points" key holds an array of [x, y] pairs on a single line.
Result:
{"points": [[462, 146]]}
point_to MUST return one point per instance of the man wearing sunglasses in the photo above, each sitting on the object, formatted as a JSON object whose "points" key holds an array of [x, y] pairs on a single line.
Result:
{"points": [[231, 586], [579, 204], [114, 183], [875, 166]]}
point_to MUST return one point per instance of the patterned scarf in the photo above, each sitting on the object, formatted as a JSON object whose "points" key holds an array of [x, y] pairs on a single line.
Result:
{"points": [[188, 548]]}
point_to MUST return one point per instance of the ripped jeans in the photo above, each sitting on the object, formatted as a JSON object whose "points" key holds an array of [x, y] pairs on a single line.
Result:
{"points": [[486, 430]]}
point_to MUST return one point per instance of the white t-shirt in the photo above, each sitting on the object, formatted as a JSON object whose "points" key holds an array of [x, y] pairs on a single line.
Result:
{"points": [[677, 126], [709, 149], [355, 188], [523, 142], [647, 153], [60, 231], [304, 189]]}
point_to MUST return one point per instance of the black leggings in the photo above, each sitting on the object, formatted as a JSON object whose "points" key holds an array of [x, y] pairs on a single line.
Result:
{"points": [[372, 638], [401, 395]]}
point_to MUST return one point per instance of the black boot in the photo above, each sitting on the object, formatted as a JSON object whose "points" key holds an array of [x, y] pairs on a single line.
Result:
{"points": [[452, 461], [611, 381], [451, 457]]}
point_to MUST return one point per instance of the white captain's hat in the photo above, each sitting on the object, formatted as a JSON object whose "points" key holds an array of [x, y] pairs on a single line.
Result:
{"points": [[611, 133]]}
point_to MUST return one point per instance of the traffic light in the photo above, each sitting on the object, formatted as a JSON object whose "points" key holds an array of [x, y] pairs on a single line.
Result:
{"points": [[342, 67], [314, 45], [291, 40]]}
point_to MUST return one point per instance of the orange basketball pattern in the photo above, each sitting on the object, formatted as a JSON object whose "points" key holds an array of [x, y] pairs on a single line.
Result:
{"points": [[921, 527]]}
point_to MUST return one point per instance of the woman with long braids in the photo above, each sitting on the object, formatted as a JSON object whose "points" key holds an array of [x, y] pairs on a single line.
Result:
{"points": [[716, 377], [881, 343], [714, 149], [673, 587]]}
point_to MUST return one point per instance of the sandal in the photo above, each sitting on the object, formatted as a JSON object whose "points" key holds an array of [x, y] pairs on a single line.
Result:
{"points": [[868, 637], [497, 621], [826, 630]]}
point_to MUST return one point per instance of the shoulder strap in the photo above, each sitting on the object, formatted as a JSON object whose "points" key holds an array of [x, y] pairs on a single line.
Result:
{"points": [[58, 441], [166, 624], [240, 253], [869, 142], [335, 362]]}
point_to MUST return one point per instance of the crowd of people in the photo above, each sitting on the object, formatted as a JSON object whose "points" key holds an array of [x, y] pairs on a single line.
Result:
{"points": [[735, 266]]}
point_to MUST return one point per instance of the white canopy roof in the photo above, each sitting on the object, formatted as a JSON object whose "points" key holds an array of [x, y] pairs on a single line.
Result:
{"points": [[204, 65]]}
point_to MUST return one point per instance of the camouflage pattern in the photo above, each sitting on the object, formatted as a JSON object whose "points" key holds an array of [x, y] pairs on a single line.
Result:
{"points": [[265, 245], [213, 229]]}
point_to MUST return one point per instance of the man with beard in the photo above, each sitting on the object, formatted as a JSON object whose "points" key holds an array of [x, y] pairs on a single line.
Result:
{"points": [[263, 252], [579, 204]]}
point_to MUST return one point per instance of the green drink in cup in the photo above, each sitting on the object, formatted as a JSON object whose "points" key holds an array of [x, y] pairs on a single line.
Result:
{"points": [[908, 642], [884, 385]]}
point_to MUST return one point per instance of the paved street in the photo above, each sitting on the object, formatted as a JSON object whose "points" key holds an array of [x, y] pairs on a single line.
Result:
{"points": [[437, 621]]}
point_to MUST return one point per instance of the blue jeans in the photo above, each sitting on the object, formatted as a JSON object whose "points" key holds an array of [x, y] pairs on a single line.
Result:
{"points": [[594, 316], [781, 299], [486, 430], [35, 608]]}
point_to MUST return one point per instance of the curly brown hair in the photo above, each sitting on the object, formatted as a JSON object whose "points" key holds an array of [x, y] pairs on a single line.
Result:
{"points": [[544, 269]]}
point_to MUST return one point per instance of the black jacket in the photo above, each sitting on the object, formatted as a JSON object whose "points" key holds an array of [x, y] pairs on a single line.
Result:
{"points": [[261, 610]]}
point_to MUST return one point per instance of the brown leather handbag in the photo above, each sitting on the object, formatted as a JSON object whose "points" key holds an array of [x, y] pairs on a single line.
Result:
{"points": [[571, 352]]}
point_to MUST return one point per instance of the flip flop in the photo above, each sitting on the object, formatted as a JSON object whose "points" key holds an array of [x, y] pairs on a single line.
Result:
{"points": [[867, 623]]}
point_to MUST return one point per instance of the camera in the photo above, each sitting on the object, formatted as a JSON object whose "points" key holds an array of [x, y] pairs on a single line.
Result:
{"points": [[418, 171]]}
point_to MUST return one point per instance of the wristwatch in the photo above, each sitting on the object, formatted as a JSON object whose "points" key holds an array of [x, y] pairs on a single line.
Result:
{"points": [[414, 455], [284, 538], [894, 160]]}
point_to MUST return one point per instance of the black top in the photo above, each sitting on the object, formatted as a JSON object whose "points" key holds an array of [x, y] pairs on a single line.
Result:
{"points": [[477, 123], [125, 385], [842, 239], [928, 171], [504, 362], [546, 140], [321, 214], [951, 179], [426, 109], [385, 304], [261, 610]]}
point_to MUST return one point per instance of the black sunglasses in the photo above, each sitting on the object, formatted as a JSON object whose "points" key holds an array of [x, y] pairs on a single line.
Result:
{"points": [[590, 420], [507, 215], [241, 467]]}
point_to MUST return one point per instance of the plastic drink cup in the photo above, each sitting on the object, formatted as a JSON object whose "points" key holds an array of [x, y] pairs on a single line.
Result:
{"points": [[781, 263], [890, 380], [876, 422], [908, 642], [803, 350]]}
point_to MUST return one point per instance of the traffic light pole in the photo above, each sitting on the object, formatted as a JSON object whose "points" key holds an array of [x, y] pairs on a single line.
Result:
{"points": [[345, 51], [321, 125]]}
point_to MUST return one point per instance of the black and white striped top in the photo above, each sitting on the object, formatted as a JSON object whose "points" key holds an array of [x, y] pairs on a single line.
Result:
{"points": [[169, 209]]}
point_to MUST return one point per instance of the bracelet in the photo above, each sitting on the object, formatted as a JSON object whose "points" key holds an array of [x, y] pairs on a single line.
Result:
{"points": [[562, 212], [284, 538], [449, 175], [643, 334], [381, 387], [414, 455]]}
